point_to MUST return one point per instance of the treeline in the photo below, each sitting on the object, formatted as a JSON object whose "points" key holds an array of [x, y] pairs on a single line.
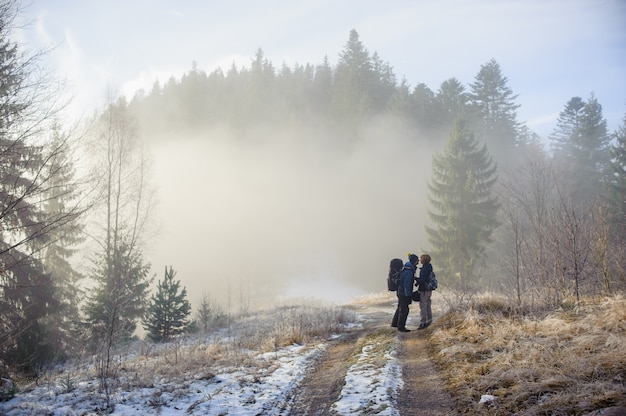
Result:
{"points": [[540, 223], [340, 101]]}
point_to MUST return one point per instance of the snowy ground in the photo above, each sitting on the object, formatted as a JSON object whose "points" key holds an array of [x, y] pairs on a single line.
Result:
{"points": [[265, 387]]}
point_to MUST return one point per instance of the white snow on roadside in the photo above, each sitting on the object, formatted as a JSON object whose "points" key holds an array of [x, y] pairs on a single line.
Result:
{"points": [[264, 388], [242, 392]]}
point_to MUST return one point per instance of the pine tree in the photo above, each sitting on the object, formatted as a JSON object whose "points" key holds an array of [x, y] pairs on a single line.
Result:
{"points": [[451, 102], [27, 293], [463, 209], [258, 101], [581, 147], [494, 111], [353, 88], [385, 83], [204, 314], [322, 87], [117, 302], [423, 107], [168, 311], [59, 200], [567, 126]]}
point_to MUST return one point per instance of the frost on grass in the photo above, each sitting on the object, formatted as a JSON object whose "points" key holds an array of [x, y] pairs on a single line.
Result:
{"points": [[250, 368], [246, 391]]}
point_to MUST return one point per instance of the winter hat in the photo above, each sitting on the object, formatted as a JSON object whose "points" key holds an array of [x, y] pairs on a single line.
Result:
{"points": [[413, 258]]}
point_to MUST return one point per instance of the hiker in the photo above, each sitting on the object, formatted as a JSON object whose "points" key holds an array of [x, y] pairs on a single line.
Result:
{"points": [[404, 292], [425, 292]]}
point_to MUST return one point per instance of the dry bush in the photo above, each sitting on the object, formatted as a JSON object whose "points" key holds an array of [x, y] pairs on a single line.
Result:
{"points": [[534, 364], [288, 325]]}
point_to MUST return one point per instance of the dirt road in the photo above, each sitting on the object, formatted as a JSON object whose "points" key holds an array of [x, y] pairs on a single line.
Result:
{"points": [[422, 391]]}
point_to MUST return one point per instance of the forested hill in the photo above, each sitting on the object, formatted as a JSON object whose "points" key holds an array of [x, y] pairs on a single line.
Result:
{"points": [[338, 100]]}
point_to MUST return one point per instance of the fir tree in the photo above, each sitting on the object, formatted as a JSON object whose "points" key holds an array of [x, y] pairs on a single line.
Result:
{"points": [[353, 88], [567, 126], [27, 293], [494, 111], [204, 314], [423, 106], [581, 147], [168, 311], [463, 209], [322, 87], [117, 302], [451, 101], [59, 200]]}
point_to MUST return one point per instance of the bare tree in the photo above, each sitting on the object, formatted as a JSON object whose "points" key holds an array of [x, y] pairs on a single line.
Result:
{"points": [[525, 191], [120, 229], [572, 243], [551, 244]]}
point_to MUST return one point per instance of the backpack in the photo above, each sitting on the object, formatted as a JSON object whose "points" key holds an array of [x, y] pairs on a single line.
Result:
{"points": [[431, 283], [395, 269]]}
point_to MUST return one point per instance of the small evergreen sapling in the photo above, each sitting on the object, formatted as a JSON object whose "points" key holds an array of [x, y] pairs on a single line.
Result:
{"points": [[168, 311]]}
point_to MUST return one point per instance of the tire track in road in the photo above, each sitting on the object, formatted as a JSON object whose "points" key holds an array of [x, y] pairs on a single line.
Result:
{"points": [[421, 393], [322, 385]]}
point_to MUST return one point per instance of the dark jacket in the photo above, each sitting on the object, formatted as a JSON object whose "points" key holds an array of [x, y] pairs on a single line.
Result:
{"points": [[405, 288], [423, 278]]}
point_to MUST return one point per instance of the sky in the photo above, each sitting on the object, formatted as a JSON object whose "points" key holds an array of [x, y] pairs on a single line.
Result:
{"points": [[247, 221], [550, 50]]}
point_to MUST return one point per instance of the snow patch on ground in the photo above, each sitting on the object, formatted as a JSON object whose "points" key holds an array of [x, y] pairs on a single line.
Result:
{"points": [[242, 392], [371, 388], [264, 385]]}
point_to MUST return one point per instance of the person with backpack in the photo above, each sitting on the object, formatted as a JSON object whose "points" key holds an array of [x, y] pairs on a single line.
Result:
{"points": [[404, 292], [426, 283]]}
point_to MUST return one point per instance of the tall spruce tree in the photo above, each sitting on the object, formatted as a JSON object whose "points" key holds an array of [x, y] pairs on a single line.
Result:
{"points": [[385, 83], [322, 87], [581, 146], [567, 126], [451, 102], [27, 292], [399, 104], [494, 111], [423, 109], [168, 310], [463, 209], [353, 87], [60, 196]]}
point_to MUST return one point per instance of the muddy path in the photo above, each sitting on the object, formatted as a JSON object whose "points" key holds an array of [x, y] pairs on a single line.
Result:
{"points": [[422, 392]]}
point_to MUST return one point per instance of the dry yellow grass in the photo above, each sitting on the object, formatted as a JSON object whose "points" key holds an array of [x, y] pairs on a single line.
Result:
{"points": [[196, 356], [568, 362]]}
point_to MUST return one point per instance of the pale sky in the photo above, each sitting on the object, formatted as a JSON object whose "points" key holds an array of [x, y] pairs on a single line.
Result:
{"points": [[550, 50]]}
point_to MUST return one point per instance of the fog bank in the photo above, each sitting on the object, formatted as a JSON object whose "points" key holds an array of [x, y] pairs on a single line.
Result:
{"points": [[252, 221]]}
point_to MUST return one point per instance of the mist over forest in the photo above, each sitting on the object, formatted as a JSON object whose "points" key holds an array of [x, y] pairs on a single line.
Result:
{"points": [[260, 184], [278, 181], [276, 217]]}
